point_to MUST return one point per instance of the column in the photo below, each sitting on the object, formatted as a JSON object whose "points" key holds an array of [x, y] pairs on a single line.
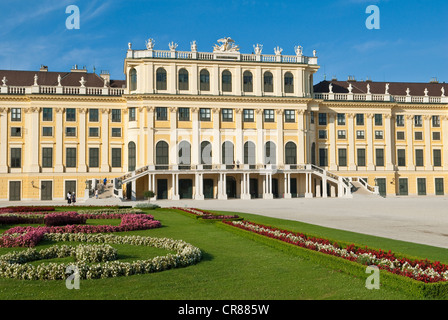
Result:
{"points": [[134, 191], [280, 144], [175, 186], [150, 134], [332, 136], [287, 178], [196, 133], [445, 140], [105, 140], [31, 149], [370, 149], [3, 140], [302, 145], [308, 186], [222, 187], [140, 146], [173, 136], [428, 155], [216, 143], [351, 142], [82, 167], [260, 136], [389, 139], [239, 137], [410, 142], [150, 188], [59, 134], [324, 187]]}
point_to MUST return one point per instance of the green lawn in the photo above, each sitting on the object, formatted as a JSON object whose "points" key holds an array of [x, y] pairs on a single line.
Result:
{"points": [[233, 267]]}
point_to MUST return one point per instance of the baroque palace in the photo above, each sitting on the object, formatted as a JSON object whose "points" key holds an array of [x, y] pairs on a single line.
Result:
{"points": [[218, 125]]}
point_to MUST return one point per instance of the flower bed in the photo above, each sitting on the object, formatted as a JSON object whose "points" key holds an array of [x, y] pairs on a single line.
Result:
{"points": [[13, 265], [26, 209], [14, 218], [205, 214], [421, 270], [64, 218]]}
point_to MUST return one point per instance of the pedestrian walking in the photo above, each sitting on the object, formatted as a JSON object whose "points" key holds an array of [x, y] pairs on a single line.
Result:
{"points": [[105, 181], [69, 197], [96, 193], [73, 198]]}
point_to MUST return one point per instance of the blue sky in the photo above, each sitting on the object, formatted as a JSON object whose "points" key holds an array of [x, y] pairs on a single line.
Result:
{"points": [[410, 45]]}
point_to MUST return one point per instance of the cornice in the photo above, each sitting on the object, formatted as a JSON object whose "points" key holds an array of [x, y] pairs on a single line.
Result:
{"points": [[388, 105], [53, 97]]}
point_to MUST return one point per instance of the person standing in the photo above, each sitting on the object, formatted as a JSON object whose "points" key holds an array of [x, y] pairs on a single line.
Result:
{"points": [[96, 193], [73, 198], [69, 197], [105, 181]]}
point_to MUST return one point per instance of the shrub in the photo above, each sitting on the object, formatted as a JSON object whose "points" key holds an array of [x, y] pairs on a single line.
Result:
{"points": [[150, 206]]}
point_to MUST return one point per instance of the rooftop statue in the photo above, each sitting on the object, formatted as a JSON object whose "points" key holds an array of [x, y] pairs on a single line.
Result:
{"points": [[443, 91], [150, 44], [278, 50], [258, 48], [298, 50], [227, 44], [4, 81], [387, 88]]}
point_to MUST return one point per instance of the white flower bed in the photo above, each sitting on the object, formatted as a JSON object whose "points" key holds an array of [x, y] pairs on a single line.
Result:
{"points": [[13, 265]]}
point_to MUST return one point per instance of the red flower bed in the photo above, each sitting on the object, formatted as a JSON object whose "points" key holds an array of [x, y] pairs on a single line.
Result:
{"points": [[20, 219], [29, 208], [205, 214], [64, 218]]}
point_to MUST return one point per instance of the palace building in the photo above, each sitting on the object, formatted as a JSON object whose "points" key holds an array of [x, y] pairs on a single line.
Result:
{"points": [[218, 125]]}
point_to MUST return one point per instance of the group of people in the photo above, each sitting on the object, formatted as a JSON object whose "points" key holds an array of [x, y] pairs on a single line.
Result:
{"points": [[71, 197]]}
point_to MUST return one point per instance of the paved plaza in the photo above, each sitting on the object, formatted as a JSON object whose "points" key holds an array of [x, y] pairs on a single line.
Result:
{"points": [[415, 219]]}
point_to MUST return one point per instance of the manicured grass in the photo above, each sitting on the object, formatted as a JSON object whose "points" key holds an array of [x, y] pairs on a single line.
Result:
{"points": [[233, 267]]}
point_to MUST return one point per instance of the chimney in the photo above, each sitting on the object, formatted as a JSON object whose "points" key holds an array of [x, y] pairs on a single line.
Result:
{"points": [[105, 75], [43, 68], [75, 69]]}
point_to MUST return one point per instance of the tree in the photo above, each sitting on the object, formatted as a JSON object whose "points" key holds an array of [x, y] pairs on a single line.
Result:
{"points": [[149, 194]]}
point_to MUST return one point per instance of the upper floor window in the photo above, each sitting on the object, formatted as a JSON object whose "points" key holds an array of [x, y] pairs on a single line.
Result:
{"points": [[16, 114], [378, 119], [184, 114], [248, 115], [16, 131], [436, 121], [133, 79], [400, 120], [290, 116], [269, 115], [359, 119], [161, 113], [183, 79], [204, 80], [205, 114], [93, 115], [161, 79], [418, 122], [268, 82], [226, 81], [70, 114], [322, 119], [247, 81], [47, 114], [289, 82], [70, 131], [341, 119], [116, 115], [132, 116], [227, 115]]}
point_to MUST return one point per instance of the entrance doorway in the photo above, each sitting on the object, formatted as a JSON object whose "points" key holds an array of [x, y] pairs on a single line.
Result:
{"points": [[162, 189], [231, 187], [275, 187], [46, 189], [185, 189], [14, 190], [253, 188], [293, 187], [403, 186], [208, 188]]}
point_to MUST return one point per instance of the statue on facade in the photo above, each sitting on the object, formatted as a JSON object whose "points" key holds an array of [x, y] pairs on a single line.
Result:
{"points": [[150, 44], [129, 46], [408, 91], [368, 88], [82, 82], [278, 51], [35, 80], [426, 92], [59, 80], [4, 81], [387, 89], [314, 52], [443, 91], [298, 50], [227, 44], [172, 45], [194, 47], [258, 48], [330, 88], [350, 88]]}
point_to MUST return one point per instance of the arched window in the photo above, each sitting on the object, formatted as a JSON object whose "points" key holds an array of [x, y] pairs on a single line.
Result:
{"points": [[289, 82], [183, 79], [206, 153], [249, 153], [268, 82], [227, 153], [247, 81], [161, 79], [162, 154], [133, 79], [184, 154], [226, 81], [204, 80], [290, 153], [270, 153], [131, 156]]}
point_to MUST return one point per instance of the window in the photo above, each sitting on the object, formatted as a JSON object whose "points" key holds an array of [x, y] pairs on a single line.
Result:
{"points": [[312, 117], [226, 81], [268, 82], [16, 157], [360, 134], [206, 154], [270, 153], [341, 119], [116, 115], [436, 121], [421, 186], [439, 186], [249, 153], [289, 82], [247, 81], [204, 80], [184, 154], [227, 153], [269, 115], [162, 153], [361, 155], [379, 154], [47, 157], [205, 114], [94, 132], [183, 79], [378, 119], [70, 157], [184, 114], [436, 135], [248, 115], [322, 119], [16, 114], [70, 114], [47, 131], [342, 157], [161, 113], [400, 120], [132, 116], [70, 131], [418, 135], [290, 153], [379, 135], [400, 135], [359, 119], [418, 122], [94, 157], [322, 134], [323, 159], [419, 157], [161, 79], [116, 132], [401, 157], [16, 131], [47, 114], [131, 156], [93, 115], [227, 115], [116, 157], [437, 157], [290, 116], [133, 79], [342, 134]]}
